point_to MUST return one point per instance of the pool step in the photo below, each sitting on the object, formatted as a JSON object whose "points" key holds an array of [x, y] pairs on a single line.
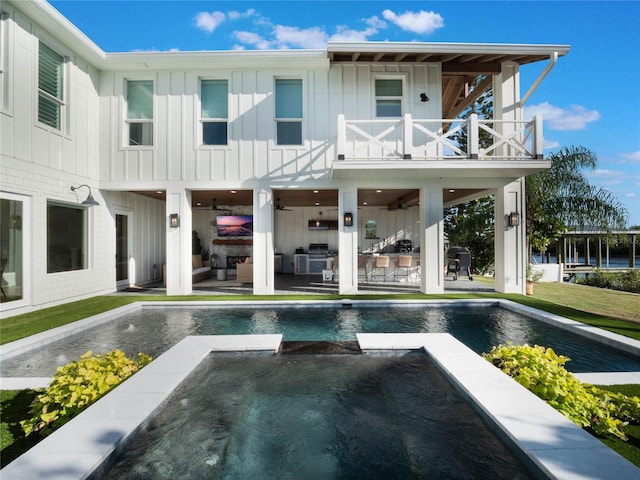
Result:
{"points": [[345, 347]]}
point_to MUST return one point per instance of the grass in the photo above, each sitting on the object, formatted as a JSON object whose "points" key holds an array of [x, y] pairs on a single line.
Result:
{"points": [[14, 406], [607, 309]]}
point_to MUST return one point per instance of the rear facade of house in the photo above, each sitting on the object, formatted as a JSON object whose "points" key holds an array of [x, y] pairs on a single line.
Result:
{"points": [[351, 148]]}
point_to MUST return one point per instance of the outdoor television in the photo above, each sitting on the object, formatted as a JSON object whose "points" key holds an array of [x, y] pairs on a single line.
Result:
{"points": [[235, 225]]}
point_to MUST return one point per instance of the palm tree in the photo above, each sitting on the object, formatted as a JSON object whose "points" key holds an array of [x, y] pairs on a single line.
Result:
{"points": [[561, 197]]}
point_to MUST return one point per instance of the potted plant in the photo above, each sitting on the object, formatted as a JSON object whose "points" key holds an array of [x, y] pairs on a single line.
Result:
{"points": [[533, 276]]}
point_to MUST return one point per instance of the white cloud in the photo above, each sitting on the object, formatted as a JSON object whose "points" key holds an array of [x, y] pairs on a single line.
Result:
{"points": [[345, 34], [254, 39], [609, 177], [233, 15], [550, 144], [303, 38], [375, 22], [633, 157], [574, 117], [209, 21], [417, 22]]}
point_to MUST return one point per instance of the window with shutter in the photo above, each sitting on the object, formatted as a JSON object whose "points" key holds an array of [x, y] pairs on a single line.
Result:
{"points": [[50, 87]]}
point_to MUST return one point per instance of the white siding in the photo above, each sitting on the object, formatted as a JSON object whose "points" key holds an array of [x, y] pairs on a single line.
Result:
{"points": [[251, 154]]}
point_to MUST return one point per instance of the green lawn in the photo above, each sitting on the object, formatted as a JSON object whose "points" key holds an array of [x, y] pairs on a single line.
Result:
{"points": [[615, 311]]}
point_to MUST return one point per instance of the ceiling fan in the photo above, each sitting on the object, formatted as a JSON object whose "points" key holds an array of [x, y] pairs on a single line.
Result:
{"points": [[214, 206], [281, 207], [399, 206]]}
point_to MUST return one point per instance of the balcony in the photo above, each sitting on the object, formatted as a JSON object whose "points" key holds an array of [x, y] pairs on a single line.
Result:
{"points": [[509, 147]]}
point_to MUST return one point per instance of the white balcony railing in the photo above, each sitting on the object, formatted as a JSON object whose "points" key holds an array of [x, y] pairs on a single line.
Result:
{"points": [[435, 139]]}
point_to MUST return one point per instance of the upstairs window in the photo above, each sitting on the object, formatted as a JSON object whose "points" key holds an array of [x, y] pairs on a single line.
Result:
{"points": [[288, 112], [388, 97], [214, 111], [140, 112], [50, 87]]}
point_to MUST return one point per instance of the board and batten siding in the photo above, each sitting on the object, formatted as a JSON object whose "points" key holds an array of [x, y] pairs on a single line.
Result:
{"points": [[251, 154], [74, 148]]}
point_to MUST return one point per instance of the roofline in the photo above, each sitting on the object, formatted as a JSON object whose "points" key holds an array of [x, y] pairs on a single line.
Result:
{"points": [[449, 47], [59, 27], [227, 59]]}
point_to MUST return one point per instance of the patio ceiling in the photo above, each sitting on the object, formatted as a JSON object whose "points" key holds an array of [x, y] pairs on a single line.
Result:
{"points": [[389, 198]]}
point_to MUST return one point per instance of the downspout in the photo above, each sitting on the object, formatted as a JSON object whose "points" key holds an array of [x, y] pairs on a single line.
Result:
{"points": [[553, 59]]}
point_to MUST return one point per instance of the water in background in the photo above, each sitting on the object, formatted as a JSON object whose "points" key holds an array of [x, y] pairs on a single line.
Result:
{"points": [[155, 330]]}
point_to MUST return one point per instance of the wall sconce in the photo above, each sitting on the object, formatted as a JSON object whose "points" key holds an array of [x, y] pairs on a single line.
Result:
{"points": [[513, 219], [15, 222], [423, 97], [90, 201], [174, 220], [348, 219]]}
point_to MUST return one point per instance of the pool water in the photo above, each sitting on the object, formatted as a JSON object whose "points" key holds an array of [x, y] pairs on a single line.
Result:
{"points": [[373, 416], [154, 330]]}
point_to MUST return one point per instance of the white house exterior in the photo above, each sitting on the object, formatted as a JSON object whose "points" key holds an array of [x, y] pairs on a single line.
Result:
{"points": [[160, 133]]}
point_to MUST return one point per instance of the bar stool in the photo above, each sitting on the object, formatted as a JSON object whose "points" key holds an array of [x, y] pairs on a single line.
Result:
{"points": [[403, 265], [363, 264], [380, 263]]}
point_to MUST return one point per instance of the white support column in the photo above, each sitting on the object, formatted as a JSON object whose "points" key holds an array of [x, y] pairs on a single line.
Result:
{"points": [[178, 254], [432, 240], [348, 242], [510, 247], [263, 279], [506, 102]]}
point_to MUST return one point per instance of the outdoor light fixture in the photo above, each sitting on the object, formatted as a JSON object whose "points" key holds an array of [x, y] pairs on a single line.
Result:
{"points": [[174, 220], [514, 219], [348, 219], [423, 97], [90, 201]]}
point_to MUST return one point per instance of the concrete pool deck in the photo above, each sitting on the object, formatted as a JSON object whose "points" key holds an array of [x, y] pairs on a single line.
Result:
{"points": [[544, 437]]}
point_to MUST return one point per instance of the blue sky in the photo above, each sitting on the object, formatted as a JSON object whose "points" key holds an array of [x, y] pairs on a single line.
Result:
{"points": [[591, 98]]}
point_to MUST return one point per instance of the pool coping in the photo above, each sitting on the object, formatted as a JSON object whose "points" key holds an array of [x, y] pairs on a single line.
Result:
{"points": [[612, 339], [558, 447]]}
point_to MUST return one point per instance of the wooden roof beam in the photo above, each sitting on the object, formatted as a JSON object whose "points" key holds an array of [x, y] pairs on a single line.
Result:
{"points": [[471, 68], [471, 97]]}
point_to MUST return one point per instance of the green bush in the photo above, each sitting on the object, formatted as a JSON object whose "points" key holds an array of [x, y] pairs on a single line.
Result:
{"points": [[542, 371], [76, 386], [628, 281]]}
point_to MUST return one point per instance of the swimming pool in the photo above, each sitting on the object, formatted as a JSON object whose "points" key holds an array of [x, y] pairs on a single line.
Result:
{"points": [[379, 416], [154, 329]]}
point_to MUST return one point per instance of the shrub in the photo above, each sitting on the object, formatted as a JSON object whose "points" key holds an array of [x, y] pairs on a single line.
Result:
{"points": [[76, 386], [542, 371], [628, 281]]}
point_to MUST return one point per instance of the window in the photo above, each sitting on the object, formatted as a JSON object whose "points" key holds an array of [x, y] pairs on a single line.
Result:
{"points": [[288, 112], [11, 250], [388, 97], [66, 238], [214, 111], [140, 112], [50, 87]]}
